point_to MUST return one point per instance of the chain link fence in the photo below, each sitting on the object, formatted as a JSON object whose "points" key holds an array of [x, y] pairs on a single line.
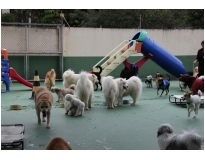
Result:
{"points": [[29, 39]]}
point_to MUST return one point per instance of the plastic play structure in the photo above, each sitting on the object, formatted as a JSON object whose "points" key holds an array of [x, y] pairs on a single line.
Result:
{"points": [[141, 43], [7, 72]]}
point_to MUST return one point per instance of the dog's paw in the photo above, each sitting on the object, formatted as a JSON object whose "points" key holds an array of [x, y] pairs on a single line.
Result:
{"points": [[48, 126], [194, 117], [132, 104]]}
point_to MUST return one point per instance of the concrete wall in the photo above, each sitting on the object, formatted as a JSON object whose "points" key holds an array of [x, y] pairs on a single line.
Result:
{"points": [[84, 47], [99, 42]]}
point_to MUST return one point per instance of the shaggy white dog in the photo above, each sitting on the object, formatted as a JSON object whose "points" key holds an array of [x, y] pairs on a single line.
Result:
{"points": [[168, 140], [69, 77], [73, 106], [84, 89], [109, 89], [134, 89], [113, 90]]}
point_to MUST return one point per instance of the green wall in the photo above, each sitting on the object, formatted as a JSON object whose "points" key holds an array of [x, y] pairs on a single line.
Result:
{"points": [[45, 63]]}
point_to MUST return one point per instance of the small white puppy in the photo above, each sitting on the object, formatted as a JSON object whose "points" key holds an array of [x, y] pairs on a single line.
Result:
{"points": [[73, 106], [192, 102], [84, 89], [134, 89], [188, 140]]}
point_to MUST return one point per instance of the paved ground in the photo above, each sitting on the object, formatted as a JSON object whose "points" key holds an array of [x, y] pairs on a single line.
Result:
{"points": [[123, 128]]}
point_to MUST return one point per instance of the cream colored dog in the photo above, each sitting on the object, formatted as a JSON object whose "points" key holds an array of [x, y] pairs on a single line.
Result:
{"points": [[134, 89], [84, 89], [62, 92], [113, 90], [73, 106], [43, 103], [69, 77]]}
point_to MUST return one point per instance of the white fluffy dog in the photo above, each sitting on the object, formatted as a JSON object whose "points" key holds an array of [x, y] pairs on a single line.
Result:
{"points": [[69, 77], [134, 89], [84, 89], [109, 89], [73, 106], [188, 140], [113, 90], [192, 102]]}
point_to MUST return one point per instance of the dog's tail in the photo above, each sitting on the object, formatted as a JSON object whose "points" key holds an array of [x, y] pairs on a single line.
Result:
{"points": [[199, 93], [168, 77], [99, 67], [192, 139]]}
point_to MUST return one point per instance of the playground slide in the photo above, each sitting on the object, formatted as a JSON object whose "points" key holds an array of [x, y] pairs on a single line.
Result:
{"points": [[161, 57], [16, 76]]}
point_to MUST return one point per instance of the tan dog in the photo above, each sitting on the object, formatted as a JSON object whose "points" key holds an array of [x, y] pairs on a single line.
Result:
{"points": [[158, 75], [50, 79], [58, 143], [62, 92], [195, 72], [43, 103]]}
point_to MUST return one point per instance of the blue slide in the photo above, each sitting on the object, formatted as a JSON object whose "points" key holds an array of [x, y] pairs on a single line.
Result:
{"points": [[161, 57]]}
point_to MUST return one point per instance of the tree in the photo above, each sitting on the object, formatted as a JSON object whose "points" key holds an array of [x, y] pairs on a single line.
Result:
{"points": [[195, 18], [7, 17]]}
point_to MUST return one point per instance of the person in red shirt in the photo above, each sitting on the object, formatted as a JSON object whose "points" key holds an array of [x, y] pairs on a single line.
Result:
{"points": [[200, 60]]}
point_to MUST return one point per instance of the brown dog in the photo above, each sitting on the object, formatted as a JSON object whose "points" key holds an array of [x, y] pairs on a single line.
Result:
{"points": [[158, 75], [194, 83], [43, 103], [62, 92], [58, 143], [50, 79]]}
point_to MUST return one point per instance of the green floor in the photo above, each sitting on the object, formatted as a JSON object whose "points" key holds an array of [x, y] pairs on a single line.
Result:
{"points": [[123, 128]]}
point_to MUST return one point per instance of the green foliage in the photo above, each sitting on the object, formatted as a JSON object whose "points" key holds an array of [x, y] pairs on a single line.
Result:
{"points": [[118, 18], [7, 17]]}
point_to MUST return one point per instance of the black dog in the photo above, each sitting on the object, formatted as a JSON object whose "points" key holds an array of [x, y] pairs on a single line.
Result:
{"points": [[99, 77], [163, 84], [126, 73]]}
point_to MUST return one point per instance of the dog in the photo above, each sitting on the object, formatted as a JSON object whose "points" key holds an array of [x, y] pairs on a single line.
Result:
{"points": [[158, 76], [109, 89], [168, 140], [182, 86], [134, 89], [43, 103], [58, 143], [69, 77], [148, 81], [113, 90], [50, 79], [126, 73], [193, 82], [195, 72], [98, 76], [84, 89], [192, 102], [163, 84], [73, 106], [62, 92]]}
